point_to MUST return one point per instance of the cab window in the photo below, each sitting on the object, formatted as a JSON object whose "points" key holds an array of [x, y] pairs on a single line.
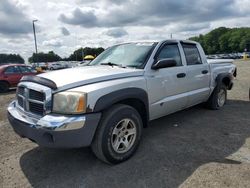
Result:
{"points": [[170, 51], [192, 54], [12, 70], [26, 69]]}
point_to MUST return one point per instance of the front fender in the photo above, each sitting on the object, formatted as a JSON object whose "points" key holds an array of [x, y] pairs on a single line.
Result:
{"points": [[117, 96], [114, 97]]}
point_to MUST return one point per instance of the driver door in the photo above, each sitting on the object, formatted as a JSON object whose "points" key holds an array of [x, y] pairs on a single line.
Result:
{"points": [[167, 86]]}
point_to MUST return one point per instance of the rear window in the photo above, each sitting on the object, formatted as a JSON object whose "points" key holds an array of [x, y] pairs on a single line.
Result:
{"points": [[25, 69], [192, 54]]}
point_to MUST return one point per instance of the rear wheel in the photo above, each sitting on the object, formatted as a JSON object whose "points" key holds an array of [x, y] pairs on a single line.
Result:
{"points": [[4, 87], [118, 134], [218, 98]]}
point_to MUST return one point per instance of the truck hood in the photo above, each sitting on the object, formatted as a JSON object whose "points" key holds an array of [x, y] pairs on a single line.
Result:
{"points": [[74, 77]]}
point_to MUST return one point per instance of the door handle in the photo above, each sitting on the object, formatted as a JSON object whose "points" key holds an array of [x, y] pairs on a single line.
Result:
{"points": [[181, 75], [204, 71]]}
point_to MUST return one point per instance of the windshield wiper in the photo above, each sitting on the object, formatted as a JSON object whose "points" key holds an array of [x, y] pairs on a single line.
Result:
{"points": [[133, 66], [112, 64]]}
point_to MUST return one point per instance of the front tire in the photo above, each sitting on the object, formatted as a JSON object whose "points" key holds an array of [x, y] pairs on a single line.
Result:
{"points": [[218, 98], [118, 134], [4, 87]]}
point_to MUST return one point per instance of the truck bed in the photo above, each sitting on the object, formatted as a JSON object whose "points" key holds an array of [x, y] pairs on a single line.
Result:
{"points": [[213, 61]]}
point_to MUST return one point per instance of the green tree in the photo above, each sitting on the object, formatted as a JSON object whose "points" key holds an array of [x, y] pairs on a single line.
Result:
{"points": [[11, 58], [44, 57], [79, 53], [225, 40]]}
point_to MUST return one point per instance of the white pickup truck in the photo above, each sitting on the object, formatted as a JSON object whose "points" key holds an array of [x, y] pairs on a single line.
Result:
{"points": [[107, 103]]}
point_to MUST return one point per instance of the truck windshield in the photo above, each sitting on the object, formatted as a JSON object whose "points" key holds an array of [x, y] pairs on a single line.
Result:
{"points": [[125, 55]]}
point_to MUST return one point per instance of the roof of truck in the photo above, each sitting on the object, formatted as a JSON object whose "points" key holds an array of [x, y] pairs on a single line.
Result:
{"points": [[159, 41]]}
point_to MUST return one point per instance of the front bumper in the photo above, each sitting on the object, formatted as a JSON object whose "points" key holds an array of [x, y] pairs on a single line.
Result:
{"points": [[54, 131]]}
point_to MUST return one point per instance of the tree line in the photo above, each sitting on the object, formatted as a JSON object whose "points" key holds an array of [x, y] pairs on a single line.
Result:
{"points": [[11, 58], [77, 55], [225, 40], [220, 40]]}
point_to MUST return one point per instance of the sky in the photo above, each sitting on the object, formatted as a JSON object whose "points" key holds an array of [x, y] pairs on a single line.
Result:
{"points": [[66, 25]]}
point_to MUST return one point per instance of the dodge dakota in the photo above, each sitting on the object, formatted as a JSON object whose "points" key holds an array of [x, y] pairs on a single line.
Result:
{"points": [[107, 103]]}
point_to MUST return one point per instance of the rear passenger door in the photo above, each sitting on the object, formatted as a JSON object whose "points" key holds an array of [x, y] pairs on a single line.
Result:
{"points": [[13, 75], [198, 75], [27, 70]]}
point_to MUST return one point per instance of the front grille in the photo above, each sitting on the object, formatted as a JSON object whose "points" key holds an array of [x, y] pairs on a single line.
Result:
{"points": [[36, 95], [20, 90], [36, 108], [20, 101], [31, 100]]}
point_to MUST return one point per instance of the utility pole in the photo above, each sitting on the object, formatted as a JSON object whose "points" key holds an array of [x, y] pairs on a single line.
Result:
{"points": [[171, 35], [34, 31], [82, 55], [76, 49]]}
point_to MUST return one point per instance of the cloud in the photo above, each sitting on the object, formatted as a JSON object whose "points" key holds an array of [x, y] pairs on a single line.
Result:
{"points": [[65, 31], [116, 33], [116, 2], [12, 20], [189, 27], [107, 22], [53, 43], [79, 17], [151, 13]]}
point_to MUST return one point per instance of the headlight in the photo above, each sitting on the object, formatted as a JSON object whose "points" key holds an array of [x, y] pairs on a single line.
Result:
{"points": [[69, 102]]}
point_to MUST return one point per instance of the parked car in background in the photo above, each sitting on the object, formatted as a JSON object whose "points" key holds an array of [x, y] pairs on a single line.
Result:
{"points": [[225, 56], [11, 74], [65, 64], [247, 54], [213, 57], [55, 66], [43, 65], [73, 64]]}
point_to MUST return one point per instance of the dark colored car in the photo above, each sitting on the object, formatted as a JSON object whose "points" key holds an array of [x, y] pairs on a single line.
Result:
{"points": [[11, 74]]}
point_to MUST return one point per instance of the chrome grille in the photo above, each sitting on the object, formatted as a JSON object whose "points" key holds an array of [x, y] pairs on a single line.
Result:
{"points": [[21, 97], [20, 90], [36, 95], [36, 108], [33, 99], [20, 101]]}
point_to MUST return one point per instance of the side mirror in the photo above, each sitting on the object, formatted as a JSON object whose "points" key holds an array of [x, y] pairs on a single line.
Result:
{"points": [[164, 63]]}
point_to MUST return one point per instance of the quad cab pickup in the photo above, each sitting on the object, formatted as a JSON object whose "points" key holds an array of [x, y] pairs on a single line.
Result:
{"points": [[107, 103]]}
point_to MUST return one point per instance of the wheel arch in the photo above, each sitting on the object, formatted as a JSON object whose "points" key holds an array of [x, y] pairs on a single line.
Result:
{"points": [[135, 97], [226, 79], [5, 81]]}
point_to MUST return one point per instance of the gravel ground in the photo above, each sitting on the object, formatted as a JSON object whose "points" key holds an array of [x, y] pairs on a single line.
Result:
{"points": [[192, 148]]}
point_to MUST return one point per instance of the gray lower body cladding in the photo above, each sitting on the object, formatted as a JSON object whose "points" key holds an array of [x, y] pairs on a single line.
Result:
{"points": [[58, 139]]}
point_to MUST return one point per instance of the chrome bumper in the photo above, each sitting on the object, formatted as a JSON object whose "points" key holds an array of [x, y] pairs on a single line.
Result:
{"points": [[54, 131], [50, 122]]}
